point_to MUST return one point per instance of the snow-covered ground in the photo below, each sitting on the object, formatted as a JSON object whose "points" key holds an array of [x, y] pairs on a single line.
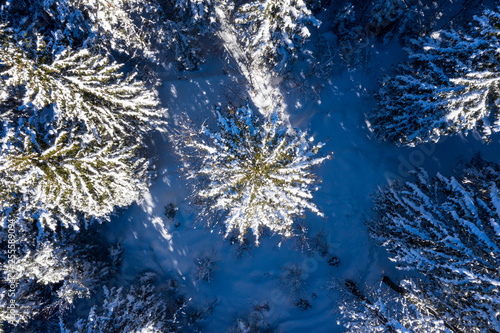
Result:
{"points": [[249, 278]]}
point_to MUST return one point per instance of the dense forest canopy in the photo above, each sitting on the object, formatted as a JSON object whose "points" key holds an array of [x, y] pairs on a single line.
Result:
{"points": [[83, 94]]}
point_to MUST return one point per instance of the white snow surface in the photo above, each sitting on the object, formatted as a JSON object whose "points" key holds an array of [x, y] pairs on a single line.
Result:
{"points": [[360, 165]]}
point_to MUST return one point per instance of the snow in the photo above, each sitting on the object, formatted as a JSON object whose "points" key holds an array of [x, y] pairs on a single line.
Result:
{"points": [[361, 165]]}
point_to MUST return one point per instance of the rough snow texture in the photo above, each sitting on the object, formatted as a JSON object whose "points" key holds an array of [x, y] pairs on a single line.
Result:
{"points": [[256, 172]]}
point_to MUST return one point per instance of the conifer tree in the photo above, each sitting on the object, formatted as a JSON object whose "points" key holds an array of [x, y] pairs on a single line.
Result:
{"points": [[144, 307], [448, 230], [256, 173], [79, 86], [449, 85], [42, 279], [403, 310], [71, 133], [274, 31]]}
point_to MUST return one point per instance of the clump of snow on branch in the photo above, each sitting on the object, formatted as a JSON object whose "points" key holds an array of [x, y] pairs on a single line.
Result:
{"points": [[256, 172]]}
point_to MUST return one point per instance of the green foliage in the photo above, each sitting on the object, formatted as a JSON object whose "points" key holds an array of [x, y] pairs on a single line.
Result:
{"points": [[71, 149], [256, 172]]}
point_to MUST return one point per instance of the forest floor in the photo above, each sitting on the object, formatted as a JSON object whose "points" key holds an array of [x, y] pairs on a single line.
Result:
{"points": [[250, 277]]}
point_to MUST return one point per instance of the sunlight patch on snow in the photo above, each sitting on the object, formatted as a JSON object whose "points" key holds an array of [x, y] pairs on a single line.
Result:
{"points": [[147, 204], [159, 225], [165, 179], [173, 91]]}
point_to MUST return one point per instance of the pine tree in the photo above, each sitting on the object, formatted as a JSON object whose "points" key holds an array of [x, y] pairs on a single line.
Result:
{"points": [[449, 85], [448, 230], [274, 31], [256, 172]]}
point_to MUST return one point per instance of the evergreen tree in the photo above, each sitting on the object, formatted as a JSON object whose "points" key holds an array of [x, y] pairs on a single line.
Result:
{"points": [[449, 85], [78, 86], [186, 21], [67, 181], [448, 230], [255, 171], [390, 19], [144, 307], [274, 31], [352, 40], [145, 33], [383, 310], [71, 133], [42, 279]]}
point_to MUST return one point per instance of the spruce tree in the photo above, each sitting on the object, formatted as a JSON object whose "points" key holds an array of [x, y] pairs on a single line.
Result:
{"points": [[71, 133], [403, 309], [448, 229], [144, 307], [254, 172], [43, 278], [274, 31], [449, 85]]}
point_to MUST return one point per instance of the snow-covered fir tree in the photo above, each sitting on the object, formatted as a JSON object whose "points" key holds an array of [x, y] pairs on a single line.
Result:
{"points": [[370, 310], [144, 29], [144, 307], [145, 33], [186, 21], [68, 180], [449, 85], [448, 229], [274, 31], [79, 86], [71, 132], [352, 39], [318, 6], [254, 171], [42, 279], [390, 19], [60, 22]]}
